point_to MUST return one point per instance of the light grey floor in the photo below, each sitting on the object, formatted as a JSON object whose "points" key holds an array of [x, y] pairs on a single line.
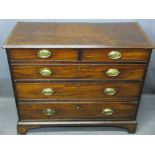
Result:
{"points": [[146, 121], [8, 118]]}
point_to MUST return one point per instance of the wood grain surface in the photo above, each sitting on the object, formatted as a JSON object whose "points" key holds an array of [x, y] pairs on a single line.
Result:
{"points": [[128, 55], [79, 61], [71, 111], [69, 55], [77, 90], [78, 71], [77, 35]]}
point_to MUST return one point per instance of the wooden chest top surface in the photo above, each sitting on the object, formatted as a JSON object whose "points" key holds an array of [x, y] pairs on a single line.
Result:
{"points": [[77, 35]]}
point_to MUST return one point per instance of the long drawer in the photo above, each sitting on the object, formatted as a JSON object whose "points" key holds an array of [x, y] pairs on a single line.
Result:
{"points": [[76, 111], [79, 71], [78, 90]]}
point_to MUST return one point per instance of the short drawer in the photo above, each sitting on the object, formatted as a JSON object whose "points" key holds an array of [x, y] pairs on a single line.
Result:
{"points": [[115, 55], [44, 54], [76, 111], [78, 90], [89, 72]]}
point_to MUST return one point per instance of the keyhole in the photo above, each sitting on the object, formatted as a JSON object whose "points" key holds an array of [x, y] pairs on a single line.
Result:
{"points": [[78, 85], [79, 68], [77, 107]]}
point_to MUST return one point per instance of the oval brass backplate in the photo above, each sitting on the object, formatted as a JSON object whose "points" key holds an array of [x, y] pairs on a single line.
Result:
{"points": [[45, 72], [44, 54], [107, 111], [112, 72], [114, 55], [47, 91], [48, 111], [109, 91]]}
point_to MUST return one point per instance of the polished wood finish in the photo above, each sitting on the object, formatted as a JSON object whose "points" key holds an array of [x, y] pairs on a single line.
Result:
{"points": [[77, 81], [128, 55], [78, 71], [78, 111], [77, 35], [67, 55], [24, 126], [22, 129], [77, 90]]}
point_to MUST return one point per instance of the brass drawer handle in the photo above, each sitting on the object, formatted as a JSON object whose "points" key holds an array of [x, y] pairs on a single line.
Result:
{"points": [[114, 55], [49, 112], [109, 91], [44, 54], [47, 91], [45, 72], [112, 72], [107, 111]]}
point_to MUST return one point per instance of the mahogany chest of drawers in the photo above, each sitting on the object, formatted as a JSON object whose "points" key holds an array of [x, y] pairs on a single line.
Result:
{"points": [[77, 74]]}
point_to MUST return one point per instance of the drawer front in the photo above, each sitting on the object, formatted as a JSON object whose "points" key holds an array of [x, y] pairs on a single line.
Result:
{"points": [[78, 90], [70, 111], [105, 72], [104, 55], [34, 54]]}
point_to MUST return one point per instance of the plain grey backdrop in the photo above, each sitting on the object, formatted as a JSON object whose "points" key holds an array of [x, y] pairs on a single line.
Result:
{"points": [[8, 114]]}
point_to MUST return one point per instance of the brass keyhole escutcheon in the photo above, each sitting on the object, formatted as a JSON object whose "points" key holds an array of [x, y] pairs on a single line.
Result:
{"points": [[43, 54], [77, 107]]}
